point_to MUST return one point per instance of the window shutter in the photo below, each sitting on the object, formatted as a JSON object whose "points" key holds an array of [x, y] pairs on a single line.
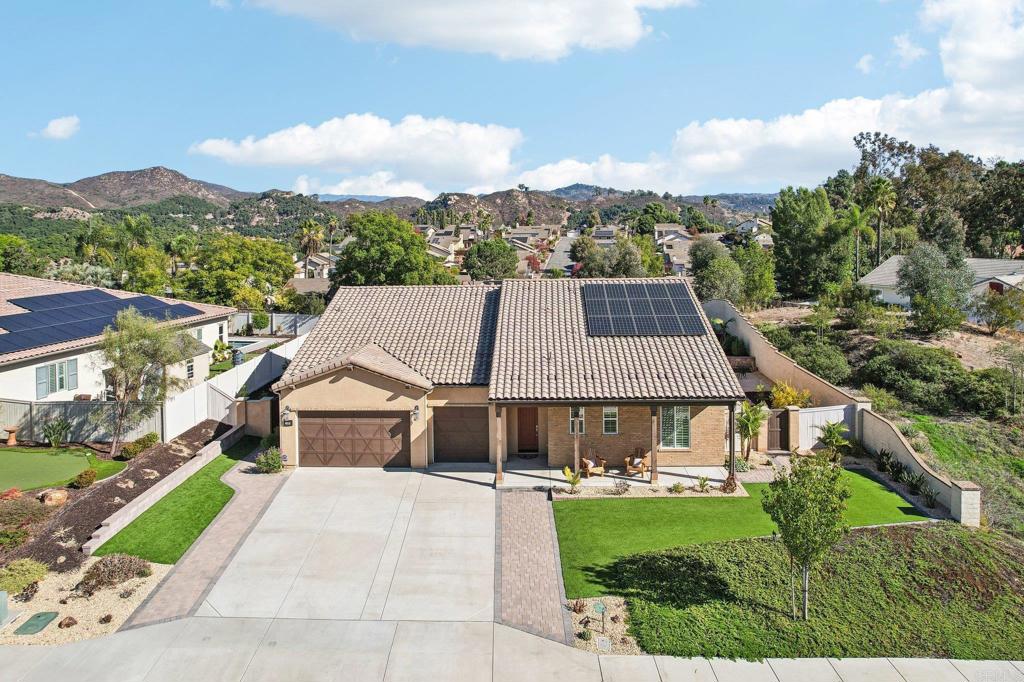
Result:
{"points": [[72, 374], [42, 382], [682, 427], [53, 378], [667, 427]]}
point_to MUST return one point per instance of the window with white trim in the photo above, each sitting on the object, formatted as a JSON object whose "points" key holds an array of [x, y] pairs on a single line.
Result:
{"points": [[199, 334], [55, 377], [220, 332], [675, 426], [576, 421], [610, 421], [190, 369]]}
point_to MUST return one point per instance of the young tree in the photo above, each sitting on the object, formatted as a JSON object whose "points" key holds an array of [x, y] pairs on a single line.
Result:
{"points": [[807, 506], [137, 350], [582, 247], [999, 311], [386, 250], [623, 259], [722, 278], [703, 251], [491, 259], [758, 268], [748, 424], [937, 287]]}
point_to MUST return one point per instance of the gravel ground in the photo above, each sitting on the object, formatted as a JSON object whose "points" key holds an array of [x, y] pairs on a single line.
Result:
{"points": [[87, 611], [616, 623], [643, 491]]}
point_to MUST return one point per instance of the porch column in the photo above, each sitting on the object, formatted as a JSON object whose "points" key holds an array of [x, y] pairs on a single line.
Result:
{"points": [[499, 474], [654, 444], [575, 441], [730, 482]]}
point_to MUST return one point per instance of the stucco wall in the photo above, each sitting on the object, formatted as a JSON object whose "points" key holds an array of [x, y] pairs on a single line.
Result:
{"points": [[355, 389], [707, 436]]}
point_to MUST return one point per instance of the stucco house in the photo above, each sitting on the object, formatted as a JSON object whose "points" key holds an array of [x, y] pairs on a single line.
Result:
{"points": [[997, 274], [50, 332], [552, 369]]}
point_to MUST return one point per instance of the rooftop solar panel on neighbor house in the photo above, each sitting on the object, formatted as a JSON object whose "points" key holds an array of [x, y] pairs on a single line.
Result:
{"points": [[641, 309], [57, 318]]}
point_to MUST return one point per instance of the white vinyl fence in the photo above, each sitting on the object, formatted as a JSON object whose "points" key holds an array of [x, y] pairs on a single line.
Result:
{"points": [[213, 399], [280, 323], [90, 420], [812, 418]]}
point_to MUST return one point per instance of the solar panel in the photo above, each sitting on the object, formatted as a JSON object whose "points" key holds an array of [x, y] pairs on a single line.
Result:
{"points": [[641, 309], [56, 318]]}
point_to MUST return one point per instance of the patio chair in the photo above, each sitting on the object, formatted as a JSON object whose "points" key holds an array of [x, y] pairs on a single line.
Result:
{"points": [[638, 463], [592, 465]]}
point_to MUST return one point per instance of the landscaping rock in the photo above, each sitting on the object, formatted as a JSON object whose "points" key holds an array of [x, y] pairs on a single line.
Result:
{"points": [[54, 498], [29, 592], [126, 484], [67, 623], [106, 619], [149, 474], [117, 500]]}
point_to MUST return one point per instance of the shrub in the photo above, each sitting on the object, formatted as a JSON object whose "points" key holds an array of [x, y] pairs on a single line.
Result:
{"points": [[85, 478], [822, 358], [930, 496], [21, 573], [703, 484], [784, 395], [578, 606], [678, 488], [986, 391], [56, 432], [741, 465], [138, 446], [885, 460], [915, 483], [882, 401], [573, 479], [620, 488], [260, 320], [931, 378], [112, 570], [586, 635], [909, 431], [780, 337], [13, 538], [10, 494], [269, 461], [271, 440], [21, 511]]}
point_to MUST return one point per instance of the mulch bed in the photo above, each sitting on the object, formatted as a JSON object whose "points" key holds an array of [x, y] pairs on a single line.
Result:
{"points": [[58, 540]]}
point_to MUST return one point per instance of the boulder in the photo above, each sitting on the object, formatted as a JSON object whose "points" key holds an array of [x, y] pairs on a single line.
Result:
{"points": [[67, 623], [54, 497], [126, 484]]}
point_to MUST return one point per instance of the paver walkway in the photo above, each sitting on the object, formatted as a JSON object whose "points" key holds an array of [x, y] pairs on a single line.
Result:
{"points": [[531, 590], [297, 650], [182, 591]]}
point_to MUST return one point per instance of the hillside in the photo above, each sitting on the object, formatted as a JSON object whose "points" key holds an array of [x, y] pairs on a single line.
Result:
{"points": [[118, 189]]}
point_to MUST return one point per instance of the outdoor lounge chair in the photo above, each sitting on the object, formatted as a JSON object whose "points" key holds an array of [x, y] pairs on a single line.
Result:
{"points": [[638, 463], [592, 465]]}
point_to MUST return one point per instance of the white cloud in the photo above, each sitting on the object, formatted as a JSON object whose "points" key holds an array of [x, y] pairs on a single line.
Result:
{"points": [[221, 4], [907, 50], [448, 152], [509, 29], [381, 183], [866, 63], [60, 128]]}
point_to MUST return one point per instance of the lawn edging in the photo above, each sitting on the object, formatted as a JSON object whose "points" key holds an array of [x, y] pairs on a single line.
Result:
{"points": [[131, 511]]}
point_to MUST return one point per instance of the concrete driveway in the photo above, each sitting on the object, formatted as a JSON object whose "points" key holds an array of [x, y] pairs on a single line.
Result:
{"points": [[367, 544]]}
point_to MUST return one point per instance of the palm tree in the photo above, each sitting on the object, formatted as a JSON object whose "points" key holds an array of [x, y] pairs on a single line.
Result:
{"points": [[857, 222], [748, 425], [883, 201], [182, 248], [310, 237], [94, 242], [332, 228]]}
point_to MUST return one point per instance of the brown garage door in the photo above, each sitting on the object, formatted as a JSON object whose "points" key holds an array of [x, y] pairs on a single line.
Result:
{"points": [[353, 439], [460, 434]]}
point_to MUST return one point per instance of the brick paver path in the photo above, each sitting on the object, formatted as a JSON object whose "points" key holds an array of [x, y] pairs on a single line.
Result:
{"points": [[531, 591], [186, 585]]}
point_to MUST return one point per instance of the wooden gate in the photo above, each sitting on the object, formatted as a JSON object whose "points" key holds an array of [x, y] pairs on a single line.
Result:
{"points": [[778, 430]]}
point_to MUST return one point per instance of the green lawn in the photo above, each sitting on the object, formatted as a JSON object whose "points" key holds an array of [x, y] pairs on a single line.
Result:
{"points": [[593, 533], [32, 468], [165, 531], [934, 590]]}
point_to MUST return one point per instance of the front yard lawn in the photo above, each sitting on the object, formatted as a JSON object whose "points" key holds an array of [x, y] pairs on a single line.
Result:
{"points": [[32, 468], [933, 590], [165, 531], [593, 533]]}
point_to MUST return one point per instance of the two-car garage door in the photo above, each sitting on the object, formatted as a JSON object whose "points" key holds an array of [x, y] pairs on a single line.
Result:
{"points": [[354, 439]]}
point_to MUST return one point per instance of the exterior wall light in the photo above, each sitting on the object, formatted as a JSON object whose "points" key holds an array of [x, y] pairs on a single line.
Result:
{"points": [[416, 413], [286, 416]]}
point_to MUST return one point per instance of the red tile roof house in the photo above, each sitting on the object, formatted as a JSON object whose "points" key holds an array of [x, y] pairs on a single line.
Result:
{"points": [[35, 368], [409, 376]]}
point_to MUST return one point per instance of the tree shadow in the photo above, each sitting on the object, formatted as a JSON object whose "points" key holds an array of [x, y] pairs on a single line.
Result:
{"points": [[672, 579]]}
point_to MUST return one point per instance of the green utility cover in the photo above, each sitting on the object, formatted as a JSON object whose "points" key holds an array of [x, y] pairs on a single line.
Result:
{"points": [[36, 623]]}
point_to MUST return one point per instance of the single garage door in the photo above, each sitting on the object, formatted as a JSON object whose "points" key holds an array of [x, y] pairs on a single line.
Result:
{"points": [[460, 434], [354, 439]]}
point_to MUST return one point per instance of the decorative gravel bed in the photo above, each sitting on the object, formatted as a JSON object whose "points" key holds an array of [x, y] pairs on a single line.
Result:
{"points": [[609, 636], [119, 602], [634, 491], [57, 541]]}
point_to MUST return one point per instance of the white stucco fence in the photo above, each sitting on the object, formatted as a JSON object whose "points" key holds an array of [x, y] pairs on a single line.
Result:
{"points": [[813, 418]]}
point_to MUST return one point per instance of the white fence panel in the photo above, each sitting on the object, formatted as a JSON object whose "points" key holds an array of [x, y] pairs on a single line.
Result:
{"points": [[219, 405], [280, 323], [812, 418], [90, 421], [184, 410]]}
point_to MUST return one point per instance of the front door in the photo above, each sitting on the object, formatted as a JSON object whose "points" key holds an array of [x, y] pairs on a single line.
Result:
{"points": [[527, 430]]}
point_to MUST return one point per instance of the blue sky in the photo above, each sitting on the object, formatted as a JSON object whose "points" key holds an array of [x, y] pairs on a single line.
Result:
{"points": [[150, 82]]}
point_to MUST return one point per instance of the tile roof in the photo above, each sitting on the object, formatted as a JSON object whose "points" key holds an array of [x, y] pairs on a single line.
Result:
{"points": [[310, 285], [20, 286], [542, 352], [887, 274], [445, 333], [370, 357]]}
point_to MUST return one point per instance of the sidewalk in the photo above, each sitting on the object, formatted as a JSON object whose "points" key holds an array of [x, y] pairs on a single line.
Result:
{"points": [[184, 588]]}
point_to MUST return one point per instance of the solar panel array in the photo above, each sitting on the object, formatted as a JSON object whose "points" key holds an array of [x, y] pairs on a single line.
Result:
{"points": [[56, 318], [641, 309]]}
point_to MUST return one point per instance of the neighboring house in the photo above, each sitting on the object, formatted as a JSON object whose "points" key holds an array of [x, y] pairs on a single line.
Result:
{"points": [[675, 242], [605, 235], [306, 285], [996, 274], [446, 245], [531, 241], [317, 266], [51, 331], [756, 225], [409, 376]]}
